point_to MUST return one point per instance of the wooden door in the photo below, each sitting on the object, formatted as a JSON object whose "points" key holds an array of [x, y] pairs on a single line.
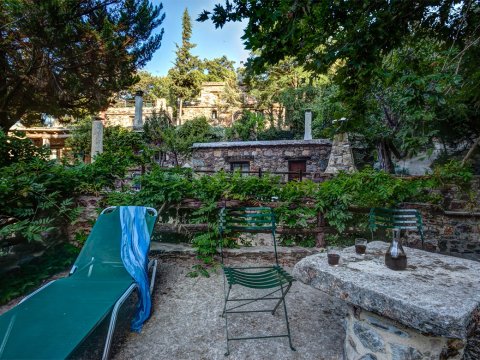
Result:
{"points": [[296, 169]]}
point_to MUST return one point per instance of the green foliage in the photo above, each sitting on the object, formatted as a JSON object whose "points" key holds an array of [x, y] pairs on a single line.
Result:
{"points": [[121, 146], [163, 137], [218, 69], [30, 275], [247, 127], [405, 74], [65, 57], [17, 148], [299, 202]]}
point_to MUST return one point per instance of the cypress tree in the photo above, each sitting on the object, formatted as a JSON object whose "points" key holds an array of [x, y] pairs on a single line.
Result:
{"points": [[185, 75]]}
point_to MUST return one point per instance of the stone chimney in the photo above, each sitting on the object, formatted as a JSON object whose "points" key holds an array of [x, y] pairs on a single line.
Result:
{"points": [[308, 125], [138, 120], [97, 138], [341, 157]]}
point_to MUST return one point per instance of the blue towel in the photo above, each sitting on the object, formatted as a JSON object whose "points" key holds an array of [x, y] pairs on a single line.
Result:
{"points": [[135, 245]]}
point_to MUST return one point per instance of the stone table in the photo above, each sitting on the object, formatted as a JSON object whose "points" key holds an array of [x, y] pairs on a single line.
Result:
{"points": [[431, 310]]}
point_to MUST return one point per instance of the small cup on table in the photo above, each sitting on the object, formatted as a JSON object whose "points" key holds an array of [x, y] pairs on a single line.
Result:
{"points": [[360, 246], [333, 256]]}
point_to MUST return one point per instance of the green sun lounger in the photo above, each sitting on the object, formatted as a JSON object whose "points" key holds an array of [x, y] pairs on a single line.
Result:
{"points": [[55, 320]]}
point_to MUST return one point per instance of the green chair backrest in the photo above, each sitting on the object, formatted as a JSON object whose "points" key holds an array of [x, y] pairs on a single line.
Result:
{"points": [[403, 219], [247, 220]]}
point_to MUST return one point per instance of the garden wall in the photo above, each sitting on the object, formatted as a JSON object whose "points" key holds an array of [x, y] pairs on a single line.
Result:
{"points": [[454, 228]]}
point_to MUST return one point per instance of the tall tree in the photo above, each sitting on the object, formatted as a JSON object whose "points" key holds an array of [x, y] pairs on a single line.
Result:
{"points": [[186, 75], [63, 57]]}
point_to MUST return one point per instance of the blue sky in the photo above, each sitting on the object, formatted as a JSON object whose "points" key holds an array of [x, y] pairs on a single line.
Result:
{"points": [[211, 42]]}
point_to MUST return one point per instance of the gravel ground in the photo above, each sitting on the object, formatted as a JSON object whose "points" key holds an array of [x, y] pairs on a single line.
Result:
{"points": [[186, 323]]}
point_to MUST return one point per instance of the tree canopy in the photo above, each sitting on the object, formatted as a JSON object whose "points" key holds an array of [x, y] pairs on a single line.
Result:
{"points": [[359, 33], [64, 57], [403, 72]]}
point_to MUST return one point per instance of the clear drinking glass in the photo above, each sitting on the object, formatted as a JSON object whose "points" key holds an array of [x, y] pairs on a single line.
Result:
{"points": [[333, 256], [360, 246]]}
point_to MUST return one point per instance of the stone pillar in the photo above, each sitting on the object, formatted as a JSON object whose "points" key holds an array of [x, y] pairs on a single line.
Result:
{"points": [[341, 157], [97, 138], [308, 125], [138, 120]]}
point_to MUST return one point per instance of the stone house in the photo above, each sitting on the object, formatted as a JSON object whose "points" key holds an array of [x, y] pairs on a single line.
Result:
{"points": [[212, 105], [287, 157]]}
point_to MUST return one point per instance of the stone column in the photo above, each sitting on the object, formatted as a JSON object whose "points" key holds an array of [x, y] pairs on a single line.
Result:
{"points": [[341, 157], [97, 138], [308, 125], [138, 120]]}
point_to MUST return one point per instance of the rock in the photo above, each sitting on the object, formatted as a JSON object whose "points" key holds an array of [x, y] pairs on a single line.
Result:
{"points": [[402, 352], [368, 357], [369, 338]]}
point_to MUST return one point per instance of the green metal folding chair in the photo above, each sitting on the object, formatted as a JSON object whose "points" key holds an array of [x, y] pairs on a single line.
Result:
{"points": [[403, 219], [52, 322], [274, 278]]}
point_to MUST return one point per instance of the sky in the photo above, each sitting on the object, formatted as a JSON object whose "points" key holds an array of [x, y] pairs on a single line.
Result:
{"points": [[211, 42]]}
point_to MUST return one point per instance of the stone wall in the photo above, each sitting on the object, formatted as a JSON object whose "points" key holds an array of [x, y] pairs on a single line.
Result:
{"points": [[124, 115], [373, 337], [452, 227], [450, 232], [267, 155]]}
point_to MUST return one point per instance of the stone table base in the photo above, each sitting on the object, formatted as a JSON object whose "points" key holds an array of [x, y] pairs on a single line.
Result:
{"points": [[371, 337]]}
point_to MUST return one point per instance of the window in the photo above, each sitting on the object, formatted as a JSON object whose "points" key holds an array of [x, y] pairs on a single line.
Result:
{"points": [[296, 169], [242, 166], [214, 114]]}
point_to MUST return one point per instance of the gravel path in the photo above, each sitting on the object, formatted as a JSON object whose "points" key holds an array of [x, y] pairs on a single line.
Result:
{"points": [[186, 323]]}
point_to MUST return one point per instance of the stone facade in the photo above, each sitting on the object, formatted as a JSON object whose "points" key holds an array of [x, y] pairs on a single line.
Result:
{"points": [[123, 113], [341, 157], [52, 137], [269, 156], [211, 105]]}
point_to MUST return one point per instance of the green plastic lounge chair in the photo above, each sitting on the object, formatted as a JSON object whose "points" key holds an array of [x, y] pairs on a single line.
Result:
{"points": [[273, 279], [52, 322], [403, 219]]}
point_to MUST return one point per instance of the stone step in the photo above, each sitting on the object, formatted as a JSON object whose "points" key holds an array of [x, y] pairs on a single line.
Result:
{"points": [[287, 253]]}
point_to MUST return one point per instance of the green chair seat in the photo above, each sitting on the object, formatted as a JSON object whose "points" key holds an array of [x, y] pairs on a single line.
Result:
{"points": [[272, 277]]}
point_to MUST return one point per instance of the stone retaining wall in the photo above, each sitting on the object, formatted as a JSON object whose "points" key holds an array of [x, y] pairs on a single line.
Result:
{"points": [[453, 233]]}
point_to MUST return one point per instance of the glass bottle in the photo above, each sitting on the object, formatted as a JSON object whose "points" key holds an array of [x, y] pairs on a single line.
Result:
{"points": [[395, 258]]}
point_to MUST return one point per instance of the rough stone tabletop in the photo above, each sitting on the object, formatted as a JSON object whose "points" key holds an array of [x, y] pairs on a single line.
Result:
{"points": [[436, 294]]}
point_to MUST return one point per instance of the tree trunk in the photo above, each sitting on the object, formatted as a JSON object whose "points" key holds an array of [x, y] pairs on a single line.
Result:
{"points": [[179, 115], [385, 156], [471, 151]]}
